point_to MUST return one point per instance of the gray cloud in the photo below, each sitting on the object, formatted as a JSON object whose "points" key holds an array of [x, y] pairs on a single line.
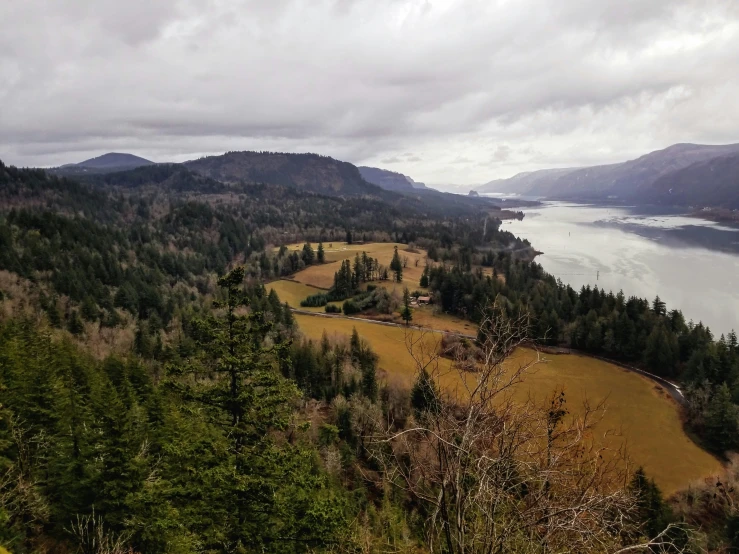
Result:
{"points": [[509, 86]]}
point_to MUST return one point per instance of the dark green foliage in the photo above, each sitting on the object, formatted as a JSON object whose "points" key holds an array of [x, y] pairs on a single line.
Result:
{"points": [[248, 399], [425, 396], [406, 313], [653, 513], [308, 255], [321, 254], [333, 309], [722, 421], [181, 468], [75, 325], [315, 300], [350, 308], [396, 266]]}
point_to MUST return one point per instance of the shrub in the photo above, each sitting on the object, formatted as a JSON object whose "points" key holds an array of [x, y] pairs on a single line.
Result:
{"points": [[314, 301], [332, 309], [350, 307]]}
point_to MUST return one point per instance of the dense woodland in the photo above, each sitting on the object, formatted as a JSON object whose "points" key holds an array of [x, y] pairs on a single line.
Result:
{"points": [[631, 330], [206, 423]]}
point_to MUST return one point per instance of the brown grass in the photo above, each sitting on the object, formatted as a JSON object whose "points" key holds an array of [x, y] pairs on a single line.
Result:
{"points": [[639, 415], [322, 276]]}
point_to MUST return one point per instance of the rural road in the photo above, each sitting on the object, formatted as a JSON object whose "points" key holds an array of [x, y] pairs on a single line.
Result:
{"points": [[671, 388]]}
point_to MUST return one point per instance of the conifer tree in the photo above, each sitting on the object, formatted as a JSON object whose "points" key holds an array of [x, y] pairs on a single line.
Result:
{"points": [[309, 255], [321, 253], [260, 488], [396, 266], [407, 313]]}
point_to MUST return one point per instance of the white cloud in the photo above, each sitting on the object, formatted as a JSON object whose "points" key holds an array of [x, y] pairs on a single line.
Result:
{"points": [[509, 86]]}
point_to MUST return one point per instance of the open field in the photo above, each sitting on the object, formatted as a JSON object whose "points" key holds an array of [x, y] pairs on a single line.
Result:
{"points": [[293, 292], [425, 316], [644, 416], [322, 276]]}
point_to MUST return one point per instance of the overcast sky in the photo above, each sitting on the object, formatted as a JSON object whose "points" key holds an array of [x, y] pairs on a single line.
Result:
{"points": [[445, 91]]}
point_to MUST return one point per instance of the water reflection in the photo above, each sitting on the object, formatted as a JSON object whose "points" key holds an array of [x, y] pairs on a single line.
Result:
{"points": [[693, 264]]}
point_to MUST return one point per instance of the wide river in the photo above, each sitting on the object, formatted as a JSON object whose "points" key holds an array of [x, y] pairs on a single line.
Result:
{"points": [[693, 264]]}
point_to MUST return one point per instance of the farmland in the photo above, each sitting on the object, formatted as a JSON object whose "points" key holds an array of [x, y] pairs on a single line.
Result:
{"points": [[293, 292], [322, 275], [640, 414]]}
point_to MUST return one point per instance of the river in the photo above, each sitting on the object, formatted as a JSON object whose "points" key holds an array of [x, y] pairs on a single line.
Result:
{"points": [[692, 263]]}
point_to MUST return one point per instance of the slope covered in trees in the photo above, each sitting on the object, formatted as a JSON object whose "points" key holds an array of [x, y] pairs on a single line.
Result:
{"points": [[389, 180], [709, 183], [210, 425], [309, 172], [648, 178]]}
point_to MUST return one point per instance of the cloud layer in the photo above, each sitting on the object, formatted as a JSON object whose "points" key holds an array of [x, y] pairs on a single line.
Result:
{"points": [[446, 91]]}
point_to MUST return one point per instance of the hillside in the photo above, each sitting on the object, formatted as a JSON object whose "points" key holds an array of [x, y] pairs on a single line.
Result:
{"points": [[526, 183], [110, 340], [714, 182], [389, 180], [112, 161], [308, 172], [629, 180]]}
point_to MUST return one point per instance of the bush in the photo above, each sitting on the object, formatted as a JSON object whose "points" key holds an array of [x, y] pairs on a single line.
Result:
{"points": [[350, 307], [315, 301], [332, 309]]}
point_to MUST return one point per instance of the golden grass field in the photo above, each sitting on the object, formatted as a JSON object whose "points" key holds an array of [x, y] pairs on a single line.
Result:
{"points": [[645, 417], [293, 292], [322, 276]]}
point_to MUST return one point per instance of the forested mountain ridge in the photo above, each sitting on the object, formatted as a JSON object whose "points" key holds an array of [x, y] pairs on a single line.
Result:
{"points": [[308, 172], [714, 183], [209, 424], [389, 180], [526, 183], [126, 240], [633, 180]]}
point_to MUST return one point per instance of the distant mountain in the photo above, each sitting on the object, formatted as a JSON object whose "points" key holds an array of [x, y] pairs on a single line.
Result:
{"points": [[115, 160], [527, 183], [631, 180], [389, 180], [713, 182], [112, 161], [634, 178], [309, 172]]}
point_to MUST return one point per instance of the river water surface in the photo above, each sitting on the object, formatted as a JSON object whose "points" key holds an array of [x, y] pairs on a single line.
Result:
{"points": [[693, 264]]}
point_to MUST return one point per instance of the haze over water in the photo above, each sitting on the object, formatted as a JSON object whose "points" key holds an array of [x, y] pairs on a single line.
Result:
{"points": [[693, 264]]}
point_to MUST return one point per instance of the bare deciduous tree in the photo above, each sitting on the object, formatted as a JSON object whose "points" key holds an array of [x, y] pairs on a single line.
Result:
{"points": [[493, 473]]}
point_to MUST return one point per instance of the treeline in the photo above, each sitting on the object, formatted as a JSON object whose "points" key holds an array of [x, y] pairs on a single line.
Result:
{"points": [[631, 330], [147, 239], [349, 277]]}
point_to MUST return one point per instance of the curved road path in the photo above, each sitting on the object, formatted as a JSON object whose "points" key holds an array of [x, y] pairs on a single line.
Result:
{"points": [[670, 387]]}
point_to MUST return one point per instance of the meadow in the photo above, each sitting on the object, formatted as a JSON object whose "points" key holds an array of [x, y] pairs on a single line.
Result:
{"points": [[639, 414], [293, 292], [322, 275]]}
